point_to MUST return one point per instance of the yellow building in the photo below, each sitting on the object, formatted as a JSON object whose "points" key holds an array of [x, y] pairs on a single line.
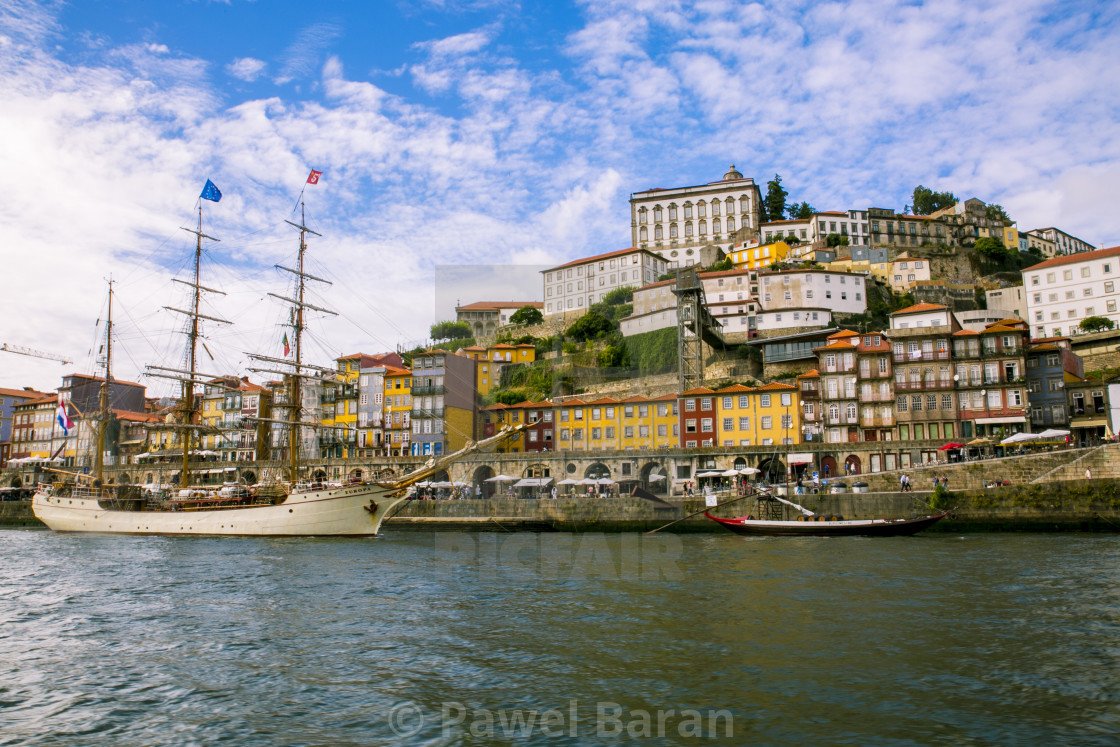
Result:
{"points": [[398, 408], [758, 257], [490, 362], [497, 416], [763, 416]]}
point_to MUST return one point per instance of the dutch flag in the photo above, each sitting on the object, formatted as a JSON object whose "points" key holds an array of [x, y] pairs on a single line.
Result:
{"points": [[63, 418]]}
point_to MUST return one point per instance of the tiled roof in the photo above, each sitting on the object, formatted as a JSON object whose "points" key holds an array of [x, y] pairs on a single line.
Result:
{"points": [[700, 390], [734, 388], [637, 398], [495, 305], [843, 334], [394, 371], [1069, 259], [919, 308], [836, 345], [814, 374], [597, 257], [774, 386], [965, 333], [100, 378], [604, 401], [24, 393]]}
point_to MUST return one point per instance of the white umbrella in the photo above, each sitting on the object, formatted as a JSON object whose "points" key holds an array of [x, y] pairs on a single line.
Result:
{"points": [[461, 484], [604, 481], [709, 474], [749, 471], [568, 481], [500, 478], [730, 473], [1020, 438], [1053, 433], [656, 478]]}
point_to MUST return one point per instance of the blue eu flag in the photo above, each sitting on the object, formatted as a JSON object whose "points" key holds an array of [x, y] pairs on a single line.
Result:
{"points": [[210, 192]]}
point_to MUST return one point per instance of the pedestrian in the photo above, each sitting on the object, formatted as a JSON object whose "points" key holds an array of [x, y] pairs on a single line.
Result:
{"points": [[553, 492], [902, 483], [936, 482], [826, 470], [1088, 474]]}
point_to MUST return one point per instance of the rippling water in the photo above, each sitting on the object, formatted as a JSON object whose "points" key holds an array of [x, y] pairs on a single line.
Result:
{"points": [[420, 638]]}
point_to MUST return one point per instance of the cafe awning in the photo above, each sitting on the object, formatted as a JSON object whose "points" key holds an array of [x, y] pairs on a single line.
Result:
{"points": [[533, 482], [1001, 421]]}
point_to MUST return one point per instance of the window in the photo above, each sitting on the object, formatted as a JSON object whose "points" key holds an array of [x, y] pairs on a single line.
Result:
{"points": [[728, 424], [706, 424], [689, 405], [690, 426], [765, 401], [767, 423], [744, 424]]}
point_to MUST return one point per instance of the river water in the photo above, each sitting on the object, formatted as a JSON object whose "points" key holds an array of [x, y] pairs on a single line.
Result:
{"points": [[521, 638]]}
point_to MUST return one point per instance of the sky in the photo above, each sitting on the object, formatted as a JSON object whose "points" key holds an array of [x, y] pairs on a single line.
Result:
{"points": [[497, 135]]}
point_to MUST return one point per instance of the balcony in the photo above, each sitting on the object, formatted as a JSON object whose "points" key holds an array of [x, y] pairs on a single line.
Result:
{"points": [[420, 391], [435, 412], [876, 421], [919, 356], [875, 374], [923, 386], [876, 397], [973, 413], [842, 420], [838, 369], [810, 392]]}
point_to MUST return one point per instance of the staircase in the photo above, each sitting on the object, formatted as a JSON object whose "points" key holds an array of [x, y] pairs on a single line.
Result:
{"points": [[1101, 461]]}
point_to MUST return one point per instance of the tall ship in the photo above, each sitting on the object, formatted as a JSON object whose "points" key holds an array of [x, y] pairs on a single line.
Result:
{"points": [[285, 506]]}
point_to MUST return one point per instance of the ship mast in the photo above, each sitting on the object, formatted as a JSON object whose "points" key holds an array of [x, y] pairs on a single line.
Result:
{"points": [[190, 375], [99, 458]]}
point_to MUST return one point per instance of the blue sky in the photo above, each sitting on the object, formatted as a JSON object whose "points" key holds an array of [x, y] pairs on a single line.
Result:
{"points": [[485, 132]]}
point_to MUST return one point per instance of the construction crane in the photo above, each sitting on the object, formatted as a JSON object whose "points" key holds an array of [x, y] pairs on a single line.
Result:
{"points": [[19, 350]]}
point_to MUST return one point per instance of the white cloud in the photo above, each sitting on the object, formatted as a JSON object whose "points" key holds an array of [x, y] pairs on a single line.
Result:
{"points": [[302, 56], [247, 69]]}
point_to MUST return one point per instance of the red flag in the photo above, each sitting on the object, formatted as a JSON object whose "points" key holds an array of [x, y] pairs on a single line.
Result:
{"points": [[313, 178]]}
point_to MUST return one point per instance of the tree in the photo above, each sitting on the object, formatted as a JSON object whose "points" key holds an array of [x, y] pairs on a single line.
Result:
{"points": [[450, 331], [993, 249], [774, 204], [927, 201], [836, 239], [723, 264], [625, 294], [589, 326], [996, 212], [527, 315], [801, 211], [1096, 324]]}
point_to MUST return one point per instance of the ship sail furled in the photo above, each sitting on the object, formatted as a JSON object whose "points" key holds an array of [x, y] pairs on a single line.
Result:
{"points": [[295, 371], [189, 375]]}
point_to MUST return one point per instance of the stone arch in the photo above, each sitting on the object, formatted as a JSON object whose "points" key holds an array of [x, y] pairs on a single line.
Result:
{"points": [[656, 486], [773, 470], [481, 474], [249, 477], [356, 475], [148, 478], [853, 463], [124, 478], [597, 470], [740, 463], [828, 466], [319, 474], [16, 482]]}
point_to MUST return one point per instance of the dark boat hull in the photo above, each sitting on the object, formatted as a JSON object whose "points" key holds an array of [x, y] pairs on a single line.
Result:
{"points": [[850, 528]]}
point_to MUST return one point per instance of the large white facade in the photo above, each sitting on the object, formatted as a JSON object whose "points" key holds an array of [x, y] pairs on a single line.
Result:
{"points": [[1063, 242], [1064, 290], [676, 223], [839, 292], [575, 286]]}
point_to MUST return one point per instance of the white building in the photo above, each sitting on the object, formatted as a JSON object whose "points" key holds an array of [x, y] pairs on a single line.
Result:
{"points": [[793, 318], [576, 285], [1064, 290], [1063, 242], [839, 292], [727, 296], [679, 223], [1011, 302], [905, 271]]}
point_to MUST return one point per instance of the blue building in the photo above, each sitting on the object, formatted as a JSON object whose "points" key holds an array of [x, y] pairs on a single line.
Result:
{"points": [[1051, 364]]}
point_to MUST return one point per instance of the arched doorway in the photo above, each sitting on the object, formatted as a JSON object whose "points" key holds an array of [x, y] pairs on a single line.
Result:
{"points": [[597, 471], [319, 475], [356, 475], [249, 477], [773, 470], [853, 465], [654, 478], [740, 463], [124, 478], [478, 480], [16, 482], [828, 466]]}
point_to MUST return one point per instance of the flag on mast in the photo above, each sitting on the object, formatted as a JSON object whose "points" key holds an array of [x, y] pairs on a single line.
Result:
{"points": [[63, 417], [313, 177], [287, 349], [211, 192]]}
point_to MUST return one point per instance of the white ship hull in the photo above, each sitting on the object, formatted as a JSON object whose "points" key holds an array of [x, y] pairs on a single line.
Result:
{"points": [[352, 511]]}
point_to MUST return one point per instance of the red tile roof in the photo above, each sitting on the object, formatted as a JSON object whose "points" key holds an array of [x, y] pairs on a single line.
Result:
{"points": [[698, 391], [965, 333], [495, 305], [774, 386], [734, 389], [1069, 259], [814, 374], [598, 257], [24, 393], [919, 308]]}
